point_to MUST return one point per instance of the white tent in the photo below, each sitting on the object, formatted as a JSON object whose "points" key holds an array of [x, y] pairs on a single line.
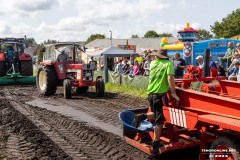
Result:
{"points": [[112, 52]]}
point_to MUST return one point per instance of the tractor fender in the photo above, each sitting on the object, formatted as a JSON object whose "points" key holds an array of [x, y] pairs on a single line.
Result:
{"points": [[2, 57], [24, 57]]}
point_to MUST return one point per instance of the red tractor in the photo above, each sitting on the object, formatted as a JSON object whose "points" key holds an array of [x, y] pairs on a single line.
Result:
{"points": [[71, 73], [15, 65]]}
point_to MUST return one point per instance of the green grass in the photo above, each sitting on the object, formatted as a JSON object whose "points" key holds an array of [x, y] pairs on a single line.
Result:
{"points": [[128, 90]]}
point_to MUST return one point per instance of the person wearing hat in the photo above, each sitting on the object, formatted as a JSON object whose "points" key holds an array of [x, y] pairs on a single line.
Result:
{"points": [[235, 72], [161, 79], [200, 61], [93, 61], [63, 57]]}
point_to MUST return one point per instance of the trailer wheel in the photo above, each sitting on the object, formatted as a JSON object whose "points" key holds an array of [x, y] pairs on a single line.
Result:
{"points": [[67, 89], [100, 87], [26, 68], [225, 143], [2, 70], [80, 90], [46, 80]]}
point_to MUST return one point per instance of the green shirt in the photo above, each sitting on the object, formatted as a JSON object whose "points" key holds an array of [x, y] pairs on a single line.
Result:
{"points": [[158, 78], [230, 52]]}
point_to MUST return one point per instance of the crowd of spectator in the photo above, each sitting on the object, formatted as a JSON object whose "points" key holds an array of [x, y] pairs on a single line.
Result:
{"points": [[140, 66]]}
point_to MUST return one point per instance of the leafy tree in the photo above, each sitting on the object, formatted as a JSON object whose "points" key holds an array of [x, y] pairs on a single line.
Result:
{"points": [[40, 54], [165, 35], [93, 37], [29, 42], [204, 34], [135, 36], [230, 25], [151, 34], [50, 41]]}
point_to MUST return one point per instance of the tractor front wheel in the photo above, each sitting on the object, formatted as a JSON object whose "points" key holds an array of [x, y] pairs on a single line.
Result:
{"points": [[67, 89], [46, 80], [222, 144], [100, 87]]}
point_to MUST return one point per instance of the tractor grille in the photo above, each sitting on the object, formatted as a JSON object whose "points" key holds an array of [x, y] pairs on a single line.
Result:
{"points": [[88, 75]]}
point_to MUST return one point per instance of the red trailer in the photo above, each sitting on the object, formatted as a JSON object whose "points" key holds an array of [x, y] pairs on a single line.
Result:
{"points": [[207, 117]]}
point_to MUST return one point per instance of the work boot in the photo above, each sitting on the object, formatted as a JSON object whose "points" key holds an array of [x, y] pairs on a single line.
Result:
{"points": [[156, 145], [139, 119]]}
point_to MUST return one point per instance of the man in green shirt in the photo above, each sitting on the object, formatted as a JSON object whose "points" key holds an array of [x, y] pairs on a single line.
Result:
{"points": [[228, 56], [161, 79]]}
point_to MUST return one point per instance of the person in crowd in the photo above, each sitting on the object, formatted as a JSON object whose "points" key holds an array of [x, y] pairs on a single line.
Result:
{"points": [[110, 63], [116, 67], [228, 56], [212, 63], [141, 72], [131, 71], [153, 57], [63, 57], [220, 69], [136, 68], [147, 65], [236, 56], [179, 65], [149, 51], [237, 48], [132, 59], [145, 53], [120, 66], [200, 61], [161, 79], [93, 61], [125, 67], [235, 72]]}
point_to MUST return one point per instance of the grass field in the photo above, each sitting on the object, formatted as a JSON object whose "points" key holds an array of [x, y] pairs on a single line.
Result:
{"points": [[110, 87]]}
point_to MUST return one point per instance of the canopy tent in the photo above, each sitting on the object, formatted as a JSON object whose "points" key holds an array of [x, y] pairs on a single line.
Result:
{"points": [[112, 52]]}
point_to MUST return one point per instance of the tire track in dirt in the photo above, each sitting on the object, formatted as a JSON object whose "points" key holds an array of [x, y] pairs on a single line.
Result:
{"points": [[75, 138]]}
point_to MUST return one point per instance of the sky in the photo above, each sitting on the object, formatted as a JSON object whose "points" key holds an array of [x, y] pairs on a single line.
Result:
{"points": [[76, 20]]}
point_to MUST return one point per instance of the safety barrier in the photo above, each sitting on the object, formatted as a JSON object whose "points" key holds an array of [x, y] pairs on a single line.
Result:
{"points": [[120, 79]]}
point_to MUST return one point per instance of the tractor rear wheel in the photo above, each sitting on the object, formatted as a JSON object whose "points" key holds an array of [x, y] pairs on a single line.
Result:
{"points": [[46, 80], [100, 87], [80, 90], [67, 89], [26, 68], [2, 70], [222, 143]]}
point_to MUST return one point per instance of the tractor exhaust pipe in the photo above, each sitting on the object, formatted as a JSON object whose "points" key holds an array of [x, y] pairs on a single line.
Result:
{"points": [[206, 62], [74, 54]]}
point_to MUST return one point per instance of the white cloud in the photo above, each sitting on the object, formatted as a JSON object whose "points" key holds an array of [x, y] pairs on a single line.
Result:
{"points": [[25, 8]]}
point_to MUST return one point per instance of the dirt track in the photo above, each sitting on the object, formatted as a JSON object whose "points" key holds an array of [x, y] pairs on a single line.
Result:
{"points": [[84, 127], [29, 131]]}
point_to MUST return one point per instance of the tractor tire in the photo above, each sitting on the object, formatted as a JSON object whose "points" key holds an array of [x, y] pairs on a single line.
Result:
{"points": [[100, 87], [26, 68], [224, 143], [2, 69], [67, 89], [46, 80], [80, 90]]}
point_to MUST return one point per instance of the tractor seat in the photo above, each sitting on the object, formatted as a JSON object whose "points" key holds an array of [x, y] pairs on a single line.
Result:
{"points": [[127, 117]]}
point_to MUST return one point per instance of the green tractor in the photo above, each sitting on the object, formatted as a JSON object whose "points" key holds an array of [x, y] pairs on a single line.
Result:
{"points": [[16, 67]]}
